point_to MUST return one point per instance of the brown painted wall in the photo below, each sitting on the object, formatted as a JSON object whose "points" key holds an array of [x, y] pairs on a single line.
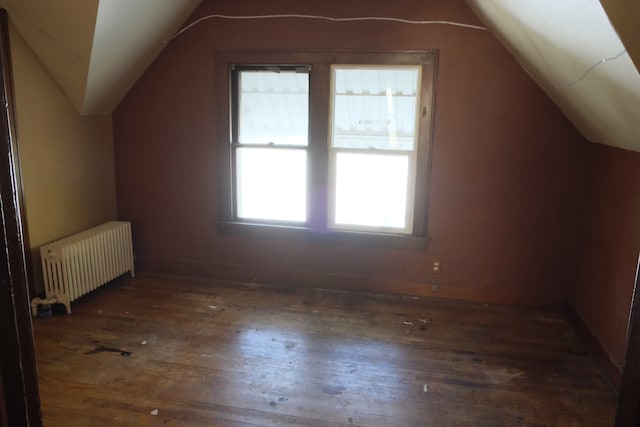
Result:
{"points": [[506, 162], [625, 18], [611, 243]]}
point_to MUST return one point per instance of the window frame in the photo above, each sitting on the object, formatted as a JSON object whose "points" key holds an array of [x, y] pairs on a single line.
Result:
{"points": [[320, 62]]}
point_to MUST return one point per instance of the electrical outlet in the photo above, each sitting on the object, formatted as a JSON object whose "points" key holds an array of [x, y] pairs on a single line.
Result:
{"points": [[436, 266], [435, 287]]}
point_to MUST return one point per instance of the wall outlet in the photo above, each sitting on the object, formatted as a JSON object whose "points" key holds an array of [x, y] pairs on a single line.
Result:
{"points": [[435, 267], [435, 287]]}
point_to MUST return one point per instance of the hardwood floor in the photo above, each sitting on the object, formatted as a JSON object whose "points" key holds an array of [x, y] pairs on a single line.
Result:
{"points": [[179, 352]]}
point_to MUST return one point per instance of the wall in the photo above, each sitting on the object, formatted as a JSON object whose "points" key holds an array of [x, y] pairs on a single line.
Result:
{"points": [[67, 160], [611, 244], [504, 186], [625, 17]]}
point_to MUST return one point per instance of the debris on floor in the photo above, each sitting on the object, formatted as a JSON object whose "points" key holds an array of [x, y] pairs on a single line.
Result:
{"points": [[102, 348], [422, 322], [154, 412], [333, 389], [44, 310]]}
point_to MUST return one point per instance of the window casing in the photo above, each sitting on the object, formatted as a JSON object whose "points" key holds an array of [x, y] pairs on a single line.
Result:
{"points": [[395, 146]]}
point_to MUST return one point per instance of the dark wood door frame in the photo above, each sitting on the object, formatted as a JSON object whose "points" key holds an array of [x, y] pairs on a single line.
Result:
{"points": [[19, 397], [629, 401]]}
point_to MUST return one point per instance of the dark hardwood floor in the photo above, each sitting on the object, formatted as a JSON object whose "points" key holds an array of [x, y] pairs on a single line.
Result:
{"points": [[179, 352]]}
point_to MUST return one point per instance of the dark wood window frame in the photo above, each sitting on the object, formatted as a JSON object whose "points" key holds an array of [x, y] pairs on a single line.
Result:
{"points": [[319, 100]]}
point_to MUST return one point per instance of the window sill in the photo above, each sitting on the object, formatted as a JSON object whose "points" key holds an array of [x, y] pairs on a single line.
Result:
{"points": [[397, 241]]}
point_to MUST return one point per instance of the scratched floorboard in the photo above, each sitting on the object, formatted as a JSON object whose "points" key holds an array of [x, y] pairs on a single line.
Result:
{"points": [[206, 353]]}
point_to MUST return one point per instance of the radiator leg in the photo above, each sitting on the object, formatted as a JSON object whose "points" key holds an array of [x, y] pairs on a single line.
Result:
{"points": [[65, 300]]}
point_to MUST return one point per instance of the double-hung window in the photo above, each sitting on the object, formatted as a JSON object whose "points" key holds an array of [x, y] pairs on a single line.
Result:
{"points": [[332, 144], [270, 141], [372, 147]]}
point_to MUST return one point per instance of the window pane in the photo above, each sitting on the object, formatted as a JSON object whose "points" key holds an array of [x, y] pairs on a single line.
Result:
{"points": [[375, 107], [274, 107], [271, 184], [371, 190]]}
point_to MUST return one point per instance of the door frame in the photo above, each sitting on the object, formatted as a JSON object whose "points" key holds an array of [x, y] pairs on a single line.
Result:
{"points": [[19, 395], [628, 414]]}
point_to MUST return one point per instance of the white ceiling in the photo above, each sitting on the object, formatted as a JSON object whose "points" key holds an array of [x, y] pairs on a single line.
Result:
{"points": [[97, 49], [562, 45]]}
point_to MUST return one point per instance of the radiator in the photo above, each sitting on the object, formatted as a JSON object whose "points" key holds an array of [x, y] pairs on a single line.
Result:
{"points": [[80, 263]]}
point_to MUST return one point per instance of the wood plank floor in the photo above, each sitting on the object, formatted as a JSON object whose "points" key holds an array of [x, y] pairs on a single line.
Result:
{"points": [[179, 352]]}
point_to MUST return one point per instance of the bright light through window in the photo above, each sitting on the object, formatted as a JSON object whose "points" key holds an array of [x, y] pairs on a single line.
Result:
{"points": [[271, 184], [357, 170], [373, 147], [274, 107], [271, 150], [371, 190]]}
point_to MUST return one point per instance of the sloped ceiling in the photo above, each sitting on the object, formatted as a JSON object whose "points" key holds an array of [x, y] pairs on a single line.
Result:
{"points": [[571, 49], [97, 49]]}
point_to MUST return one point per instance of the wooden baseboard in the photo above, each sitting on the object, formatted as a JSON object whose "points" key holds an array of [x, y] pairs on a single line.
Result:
{"points": [[313, 279], [611, 370]]}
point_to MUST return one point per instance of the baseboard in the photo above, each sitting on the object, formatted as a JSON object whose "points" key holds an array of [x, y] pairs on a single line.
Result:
{"points": [[611, 370], [314, 279]]}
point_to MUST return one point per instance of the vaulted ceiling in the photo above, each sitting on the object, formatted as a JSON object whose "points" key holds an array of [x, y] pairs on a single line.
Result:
{"points": [[581, 52], [572, 50], [97, 49]]}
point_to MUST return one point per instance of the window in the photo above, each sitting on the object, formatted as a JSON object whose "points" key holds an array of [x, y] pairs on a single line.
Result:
{"points": [[372, 147], [270, 143], [332, 144]]}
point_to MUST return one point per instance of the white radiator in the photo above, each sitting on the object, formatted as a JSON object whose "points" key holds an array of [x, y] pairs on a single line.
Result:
{"points": [[80, 263]]}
